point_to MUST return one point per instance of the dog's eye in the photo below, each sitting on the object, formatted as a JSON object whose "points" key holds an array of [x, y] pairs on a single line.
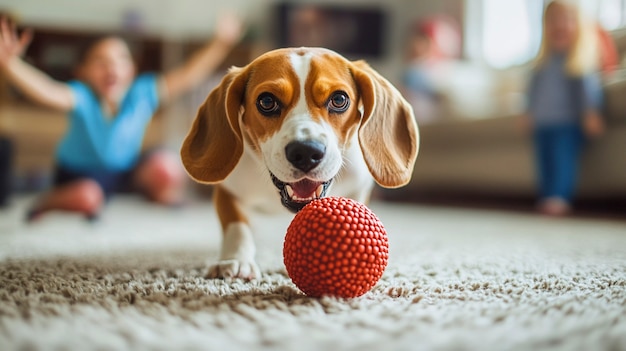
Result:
{"points": [[268, 105], [338, 102]]}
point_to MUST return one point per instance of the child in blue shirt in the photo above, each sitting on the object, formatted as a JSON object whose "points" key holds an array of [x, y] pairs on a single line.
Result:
{"points": [[109, 109], [564, 100]]}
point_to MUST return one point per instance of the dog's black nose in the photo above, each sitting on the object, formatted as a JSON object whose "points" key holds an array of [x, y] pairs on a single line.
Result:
{"points": [[305, 155]]}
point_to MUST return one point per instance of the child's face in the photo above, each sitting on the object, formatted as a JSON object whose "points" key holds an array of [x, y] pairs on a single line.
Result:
{"points": [[419, 46], [561, 27], [108, 68]]}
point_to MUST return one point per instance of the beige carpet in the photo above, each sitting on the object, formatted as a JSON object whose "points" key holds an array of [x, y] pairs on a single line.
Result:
{"points": [[456, 280]]}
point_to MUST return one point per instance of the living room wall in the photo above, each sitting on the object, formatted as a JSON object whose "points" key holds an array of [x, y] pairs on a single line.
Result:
{"points": [[195, 19]]}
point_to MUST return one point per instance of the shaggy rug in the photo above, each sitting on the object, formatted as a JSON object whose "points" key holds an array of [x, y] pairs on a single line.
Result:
{"points": [[456, 280]]}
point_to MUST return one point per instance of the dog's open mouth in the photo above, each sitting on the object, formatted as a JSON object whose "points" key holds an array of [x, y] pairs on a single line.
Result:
{"points": [[294, 196]]}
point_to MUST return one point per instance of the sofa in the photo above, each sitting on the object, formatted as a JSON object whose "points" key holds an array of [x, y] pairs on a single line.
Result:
{"points": [[480, 151]]}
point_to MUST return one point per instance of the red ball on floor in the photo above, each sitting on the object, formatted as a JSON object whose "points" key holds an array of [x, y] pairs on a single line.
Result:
{"points": [[335, 246]]}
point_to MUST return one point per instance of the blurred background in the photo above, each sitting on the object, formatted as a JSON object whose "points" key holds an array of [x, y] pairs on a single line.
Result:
{"points": [[463, 64]]}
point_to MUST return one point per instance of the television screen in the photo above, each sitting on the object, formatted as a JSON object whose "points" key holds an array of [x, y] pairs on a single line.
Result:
{"points": [[351, 31]]}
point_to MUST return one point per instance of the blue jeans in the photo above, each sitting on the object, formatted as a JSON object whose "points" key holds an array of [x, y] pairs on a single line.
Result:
{"points": [[557, 153]]}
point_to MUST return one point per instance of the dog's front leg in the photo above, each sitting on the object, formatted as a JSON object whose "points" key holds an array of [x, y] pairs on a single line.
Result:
{"points": [[238, 249]]}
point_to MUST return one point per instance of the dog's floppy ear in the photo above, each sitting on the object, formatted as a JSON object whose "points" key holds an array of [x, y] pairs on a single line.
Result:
{"points": [[214, 143], [388, 133]]}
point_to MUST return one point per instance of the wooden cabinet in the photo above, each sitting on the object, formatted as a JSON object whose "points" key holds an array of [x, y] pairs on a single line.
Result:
{"points": [[56, 51]]}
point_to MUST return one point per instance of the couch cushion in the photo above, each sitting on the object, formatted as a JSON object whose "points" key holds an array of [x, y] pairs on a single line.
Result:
{"points": [[619, 37], [614, 101]]}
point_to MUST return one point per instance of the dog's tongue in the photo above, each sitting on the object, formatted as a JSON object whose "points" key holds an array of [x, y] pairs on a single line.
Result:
{"points": [[304, 188]]}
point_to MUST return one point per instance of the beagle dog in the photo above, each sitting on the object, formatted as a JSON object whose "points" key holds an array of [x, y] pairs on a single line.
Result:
{"points": [[294, 125]]}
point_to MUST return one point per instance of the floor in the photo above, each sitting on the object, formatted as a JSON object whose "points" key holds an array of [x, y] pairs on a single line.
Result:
{"points": [[457, 279]]}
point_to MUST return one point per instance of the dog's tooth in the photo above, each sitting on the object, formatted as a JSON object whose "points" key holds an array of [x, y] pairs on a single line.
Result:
{"points": [[318, 191], [289, 190]]}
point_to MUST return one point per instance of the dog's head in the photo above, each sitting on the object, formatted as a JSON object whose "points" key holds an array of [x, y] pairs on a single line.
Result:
{"points": [[298, 110]]}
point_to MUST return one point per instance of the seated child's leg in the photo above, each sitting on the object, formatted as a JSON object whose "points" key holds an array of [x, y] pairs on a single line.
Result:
{"points": [[83, 196], [161, 178]]}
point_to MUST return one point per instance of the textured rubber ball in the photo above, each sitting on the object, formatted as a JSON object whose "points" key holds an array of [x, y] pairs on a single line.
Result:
{"points": [[335, 246]]}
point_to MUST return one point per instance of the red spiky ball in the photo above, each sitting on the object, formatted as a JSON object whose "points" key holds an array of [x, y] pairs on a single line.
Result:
{"points": [[335, 246]]}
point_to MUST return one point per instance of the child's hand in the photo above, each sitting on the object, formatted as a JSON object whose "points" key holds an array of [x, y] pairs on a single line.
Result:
{"points": [[12, 45], [524, 124], [229, 29], [593, 125]]}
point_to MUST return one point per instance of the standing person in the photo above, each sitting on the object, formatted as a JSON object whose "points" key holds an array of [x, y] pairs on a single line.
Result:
{"points": [[564, 98], [109, 108], [432, 46]]}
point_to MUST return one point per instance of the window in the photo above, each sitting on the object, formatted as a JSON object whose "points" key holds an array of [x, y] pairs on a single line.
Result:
{"points": [[610, 13], [508, 33], [503, 33]]}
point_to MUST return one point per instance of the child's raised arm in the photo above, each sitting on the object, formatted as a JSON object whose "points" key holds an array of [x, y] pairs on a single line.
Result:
{"points": [[33, 83], [204, 62]]}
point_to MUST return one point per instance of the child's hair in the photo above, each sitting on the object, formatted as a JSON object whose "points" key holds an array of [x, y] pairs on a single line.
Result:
{"points": [[583, 57], [87, 46]]}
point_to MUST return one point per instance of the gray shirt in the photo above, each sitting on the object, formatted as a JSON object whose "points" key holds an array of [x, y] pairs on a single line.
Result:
{"points": [[556, 98]]}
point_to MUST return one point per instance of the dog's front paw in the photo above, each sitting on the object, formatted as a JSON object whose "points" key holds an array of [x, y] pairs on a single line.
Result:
{"points": [[237, 256], [234, 268]]}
